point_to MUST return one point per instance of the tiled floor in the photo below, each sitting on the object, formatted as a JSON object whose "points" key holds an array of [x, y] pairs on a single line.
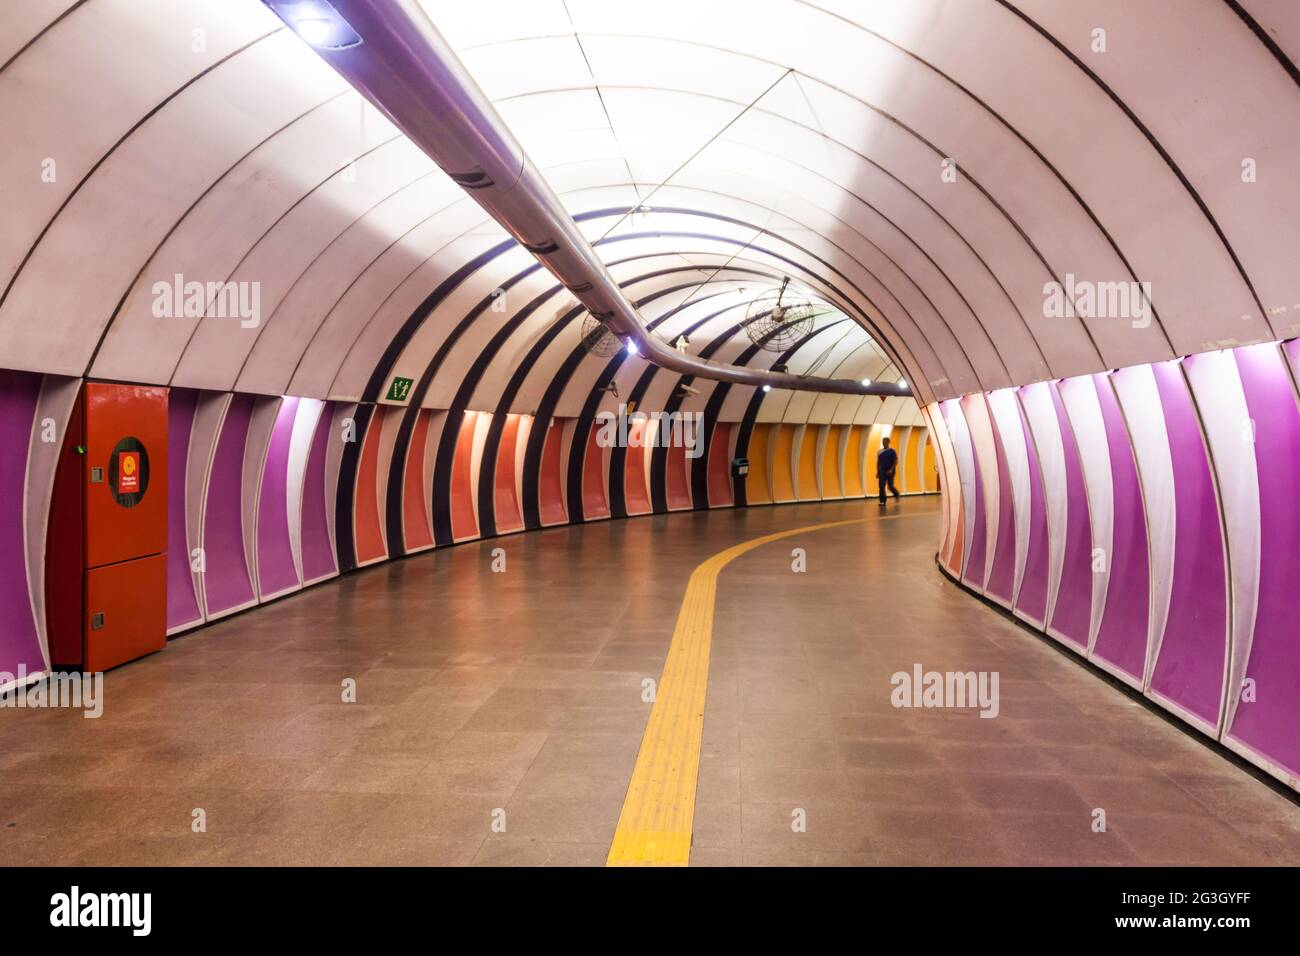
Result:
{"points": [[498, 717]]}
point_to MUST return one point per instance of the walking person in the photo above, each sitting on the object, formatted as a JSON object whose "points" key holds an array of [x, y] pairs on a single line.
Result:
{"points": [[886, 465]]}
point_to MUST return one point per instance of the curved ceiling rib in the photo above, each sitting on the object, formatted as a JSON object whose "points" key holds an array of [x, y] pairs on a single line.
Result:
{"points": [[406, 69], [798, 138]]}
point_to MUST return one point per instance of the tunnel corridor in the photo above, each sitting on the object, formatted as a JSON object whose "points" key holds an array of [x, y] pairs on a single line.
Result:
{"points": [[606, 434]]}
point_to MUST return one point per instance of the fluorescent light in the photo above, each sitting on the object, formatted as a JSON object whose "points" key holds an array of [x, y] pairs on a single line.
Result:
{"points": [[631, 348], [317, 22], [767, 388], [902, 383], [866, 381]]}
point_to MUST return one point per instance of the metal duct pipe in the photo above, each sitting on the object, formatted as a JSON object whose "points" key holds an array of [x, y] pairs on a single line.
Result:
{"points": [[395, 57]]}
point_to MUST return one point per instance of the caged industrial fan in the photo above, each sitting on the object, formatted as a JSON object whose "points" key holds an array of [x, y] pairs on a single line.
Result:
{"points": [[775, 321], [597, 339]]}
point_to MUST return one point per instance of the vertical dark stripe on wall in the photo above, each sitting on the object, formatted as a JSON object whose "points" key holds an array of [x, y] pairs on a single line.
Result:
{"points": [[345, 500], [618, 454]]}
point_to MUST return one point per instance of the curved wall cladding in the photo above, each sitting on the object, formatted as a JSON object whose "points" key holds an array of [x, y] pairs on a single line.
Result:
{"points": [[267, 494], [1149, 517]]}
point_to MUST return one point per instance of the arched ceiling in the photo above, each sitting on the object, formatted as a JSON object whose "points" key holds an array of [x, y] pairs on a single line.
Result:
{"points": [[704, 147]]}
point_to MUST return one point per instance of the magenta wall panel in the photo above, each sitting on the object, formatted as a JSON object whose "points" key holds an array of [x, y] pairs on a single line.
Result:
{"points": [[275, 568], [1122, 636], [1072, 615], [1002, 576], [19, 642], [977, 552], [226, 580], [182, 602], [1031, 602], [1270, 725], [1188, 670], [317, 552]]}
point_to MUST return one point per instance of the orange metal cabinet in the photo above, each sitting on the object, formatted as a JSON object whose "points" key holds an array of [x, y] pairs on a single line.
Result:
{"points": [[124, 620], [126, 472], [106, 569]]}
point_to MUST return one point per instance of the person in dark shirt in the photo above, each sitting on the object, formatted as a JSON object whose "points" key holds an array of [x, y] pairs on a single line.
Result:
{"points": [[886, 464]]}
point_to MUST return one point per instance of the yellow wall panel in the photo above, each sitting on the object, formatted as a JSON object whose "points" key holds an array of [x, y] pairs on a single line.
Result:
{"points": [[808, 464], [852, 435], [912, 466], [831, 463], [782, 463], [929, 470], [757, 489]]}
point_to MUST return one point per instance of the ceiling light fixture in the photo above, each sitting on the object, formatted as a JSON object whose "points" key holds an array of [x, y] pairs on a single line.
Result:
{"points": [[317, 22]]}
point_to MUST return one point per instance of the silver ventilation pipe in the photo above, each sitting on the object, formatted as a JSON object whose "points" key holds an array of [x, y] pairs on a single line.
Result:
{"points": [[395, 57]]}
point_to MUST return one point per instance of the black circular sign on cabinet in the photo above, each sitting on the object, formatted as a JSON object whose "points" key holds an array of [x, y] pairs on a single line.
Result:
{"points": [[128, 472]]}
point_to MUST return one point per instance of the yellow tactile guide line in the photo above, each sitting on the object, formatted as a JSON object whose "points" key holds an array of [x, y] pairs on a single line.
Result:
{"points": [[654, 828]]}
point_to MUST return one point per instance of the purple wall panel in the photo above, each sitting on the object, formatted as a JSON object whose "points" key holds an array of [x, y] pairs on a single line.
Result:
{"points": [[1002, 576], [1122, 637], [19, 642], [317, 553], [182, 602], [1189, 668], [1072, 614], [1270, 725], [275, 568], [226, 580], [1032, 599]]}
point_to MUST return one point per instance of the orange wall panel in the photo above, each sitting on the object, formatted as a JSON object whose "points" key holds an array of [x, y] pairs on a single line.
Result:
{"points": [[757, 489], [369, 534], [636, 496], [808, 490], [719, 453], [783, 463], [505, 498], [678, 488], [831, 464], [852, 436], [464, 522], [550, 483], [415, 505], [595, 504]]}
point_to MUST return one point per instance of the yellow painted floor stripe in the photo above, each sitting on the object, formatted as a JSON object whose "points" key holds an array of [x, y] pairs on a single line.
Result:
{"points": [[655, 826]]}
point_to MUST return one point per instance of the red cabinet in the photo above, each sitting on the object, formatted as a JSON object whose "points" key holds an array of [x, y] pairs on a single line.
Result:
{"points": [[106, 583]]}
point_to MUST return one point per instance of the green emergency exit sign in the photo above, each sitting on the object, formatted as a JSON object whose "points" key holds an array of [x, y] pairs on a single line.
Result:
{"points": [[400, 388]]}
